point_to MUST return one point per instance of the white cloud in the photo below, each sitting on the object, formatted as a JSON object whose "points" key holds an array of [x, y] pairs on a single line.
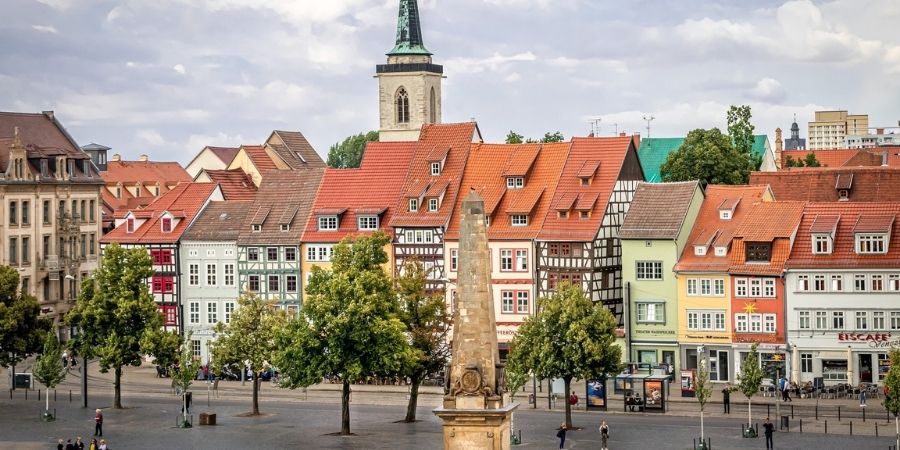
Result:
{"points": [[768, 89], [513, 77], [195, 142], [493, 63], [58, 4], [892, 59], [179, 68], [531, 4], [45, 29], [150, 137]]}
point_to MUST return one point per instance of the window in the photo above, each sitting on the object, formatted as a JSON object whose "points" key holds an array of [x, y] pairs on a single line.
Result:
{"points": [[759, 252], [871, 243], [584, 214], [13, 212], [803, 318], [252, 254], [26, 207], [740, 287], [822, 320], [211, 272], [212, 314], [720, 321], [877, 283], [649, 270], [194, 274], [806, 360], [229, 274], [161, 256], [769, 323], [837, 320], [253, 283], [521, 260], [26, 249], [413, 205], [699, 250], [402, 105], [719, 287], [271, 253], [522, 302], [725, 214], [162, 284], [519, 220], [859, 283], [46, 212], [435, 168], [862, 320], [290, 254], [285, 227], [328, 223], [693, 320], [194, 312], [92, 212], [506, 260], [837, 283], [705, 286], [705, 320], [692, 286], [433, 204], [368, 222], [290, 282], [721, 251], [651, 312], [821, 244], [166, 224], [129, 225], [755, 323], [894, 282], [755, 287], [256, 228], [319, 253], [229, 310], [769, 287], [274, 283], [515, 182], [506, 301], [895, 320], [740, 323], [878, 320], [454, 259]]}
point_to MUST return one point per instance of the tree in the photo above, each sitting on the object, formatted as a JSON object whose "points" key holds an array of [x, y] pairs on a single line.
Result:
{"points": [[349, 326], [250, 338], [183, 374], [751, 378], [48, 369], [702, 389], [708, 156], [892, 391], [553, 137], [811, 160], [570, 337], [427, 325], [22, 329], [115, 311], [163, 345], [514, 138], [348, 154], [741, 132]]}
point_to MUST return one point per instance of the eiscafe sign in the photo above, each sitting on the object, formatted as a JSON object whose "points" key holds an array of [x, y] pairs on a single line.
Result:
{"points": [[873, 340]]}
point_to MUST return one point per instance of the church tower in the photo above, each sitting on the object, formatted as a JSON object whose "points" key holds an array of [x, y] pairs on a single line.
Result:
{"points": [[409, 85]]}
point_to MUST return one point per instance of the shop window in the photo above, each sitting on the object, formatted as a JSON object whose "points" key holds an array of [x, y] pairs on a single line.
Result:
{"points": [[806, 360]]}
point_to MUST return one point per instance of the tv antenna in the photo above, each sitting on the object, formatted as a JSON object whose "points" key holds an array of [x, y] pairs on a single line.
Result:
{"points": [[648, 119], [595, 126]]}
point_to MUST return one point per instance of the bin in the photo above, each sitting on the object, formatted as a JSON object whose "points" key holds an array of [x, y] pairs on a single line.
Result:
{"points": [[785, 422], [207, 419]]}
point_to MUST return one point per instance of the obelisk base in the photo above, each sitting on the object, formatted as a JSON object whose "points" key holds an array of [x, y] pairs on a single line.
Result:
{"points": [[477, 429]]}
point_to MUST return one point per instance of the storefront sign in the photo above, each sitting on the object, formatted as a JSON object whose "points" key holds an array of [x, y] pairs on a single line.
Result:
{"points": [[863, 337], [695, 336], [639, 331]]}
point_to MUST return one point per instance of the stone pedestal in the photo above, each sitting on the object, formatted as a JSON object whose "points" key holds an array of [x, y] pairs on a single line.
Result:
{"points": [[477, 429]]}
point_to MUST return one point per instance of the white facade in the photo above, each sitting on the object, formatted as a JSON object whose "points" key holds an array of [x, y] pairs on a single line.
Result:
{"points": [[209, 289], [205, 160]]}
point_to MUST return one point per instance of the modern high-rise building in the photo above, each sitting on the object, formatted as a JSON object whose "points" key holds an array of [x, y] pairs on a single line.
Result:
{"points": [[831, 128]]}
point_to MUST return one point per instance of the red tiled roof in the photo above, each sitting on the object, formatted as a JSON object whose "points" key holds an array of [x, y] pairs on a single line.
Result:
{"points": [[825, 223], [843, 253], [186, 198], [827, 158], [521, 160], [874, 223], [588, 169], [294, 150], [457, 138], [372, 189], [235, 184], [708, 223], [773, 222], [259, 157], [870, 184], [219, 221], [485, 174], [146, 172], [612, 152], [565, 201]]}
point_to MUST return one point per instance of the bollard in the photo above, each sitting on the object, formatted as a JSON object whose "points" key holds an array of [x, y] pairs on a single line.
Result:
{"points": [[817, 412], [39, 395], [792, 411], [54, 395], [851, 428], [876, 429], [839, 413], [70, 396], [801, 425], [826, 426]]}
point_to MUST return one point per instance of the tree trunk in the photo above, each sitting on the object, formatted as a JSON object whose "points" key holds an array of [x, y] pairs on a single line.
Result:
{"points": [[568, 381], [701, 425], [413, 399], [749, 416], [48, 399], [345, 409], [117, 386], [256, 377]]}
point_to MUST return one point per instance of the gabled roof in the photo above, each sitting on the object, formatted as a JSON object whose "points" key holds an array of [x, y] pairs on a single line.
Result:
{"points": [[188, 198], [819, 184], [658, 210], [843, 253], [145, 172], [219, 221], [485, 174], [458, 138], [235, 183], [654, 151], [768, 222], [370, 190], [709, 225], [612, 152], [280, 191], [520, 161], [225, 154], [825, 224], [258, 156], [293, 148]]}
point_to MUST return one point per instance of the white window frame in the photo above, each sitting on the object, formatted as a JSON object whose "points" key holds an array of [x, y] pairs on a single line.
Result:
{"points": [[522, 307], [229, 310], [878, 320], [741, 287], [507, 302], [861, 320], [895, 320], [518, 220], [193, 274], [860, 283], [367, 223], [521, 263], [228, 272], [212, 313], [893, 282], [435, 169], [804, 321], [454, 259], [692, 284], [770, 325], [741, 323], [648, 270], [693, 320], [837, 283], [194, 312], [770, 289], [871, 243], [515, 182], [319, 252], [718, 287], [413, 205], [328, 223], [822, 320], [821, 244], [212, 275], [506, 260], [433, 204], [651, 312]]}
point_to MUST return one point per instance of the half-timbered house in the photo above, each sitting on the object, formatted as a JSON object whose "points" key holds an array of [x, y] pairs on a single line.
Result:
{"points": [[579, 240]]}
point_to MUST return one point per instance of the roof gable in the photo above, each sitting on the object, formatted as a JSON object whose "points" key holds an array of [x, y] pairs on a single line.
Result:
{"points": [[187, 199], [280, 192], [658, 210], [853, 218]]}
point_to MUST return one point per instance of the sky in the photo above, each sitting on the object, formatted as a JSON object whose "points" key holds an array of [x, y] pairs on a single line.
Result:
{"points": [[168, 77]]}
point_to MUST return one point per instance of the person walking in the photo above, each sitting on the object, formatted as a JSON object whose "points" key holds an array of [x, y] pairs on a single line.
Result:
{"points": [[65, 359], [98, 423], [769, 429], [726, 399], [69, 445], [862, 397], [573, 399], [604, 435], [561, 434], [102, 445], [785, 392]]}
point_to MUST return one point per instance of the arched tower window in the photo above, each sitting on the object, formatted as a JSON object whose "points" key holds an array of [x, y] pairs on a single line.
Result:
{"points": [[432, 108], [402, 104]]}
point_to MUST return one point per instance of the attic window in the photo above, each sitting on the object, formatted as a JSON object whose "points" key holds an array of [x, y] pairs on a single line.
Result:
{"points": [[586, 181], [285, 227], [843, 195], [759, 252], [563, 214], [413, 205], [256, 228], [584, 214], [367, 223], [519, 220], [433, 204], [166, 224], [871, 243], [725, 214], [821, 244], [328, 223], [515, 182], [86, 167], [435, 168], [721, 251], [700, 250], [129, 225]]}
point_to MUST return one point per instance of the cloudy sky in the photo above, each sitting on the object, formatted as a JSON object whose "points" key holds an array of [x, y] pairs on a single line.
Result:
{"points": [[167, 77]]}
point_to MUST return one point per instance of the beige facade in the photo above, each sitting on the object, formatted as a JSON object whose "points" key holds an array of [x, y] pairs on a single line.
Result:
{"points": [[408, 97], [831, 128]]}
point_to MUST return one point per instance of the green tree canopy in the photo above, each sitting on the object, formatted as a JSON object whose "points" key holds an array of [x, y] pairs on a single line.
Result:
{"points": [[48, 369], [250, 338], [184, 372], [515, 138], [22, 329], [349, 326], [427, 325], [348, 154], [115, 311], [570, 337], [809, 161], [702, 387], [708, 156], [163, 345], [892, 390]]}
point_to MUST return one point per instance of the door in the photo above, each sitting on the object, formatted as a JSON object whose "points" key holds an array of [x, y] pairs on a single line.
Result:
{"points": [[865, 368], [668, 358]]}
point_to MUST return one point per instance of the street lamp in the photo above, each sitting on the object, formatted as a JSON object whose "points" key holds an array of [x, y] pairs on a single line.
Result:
{"points": [[208, 368]]}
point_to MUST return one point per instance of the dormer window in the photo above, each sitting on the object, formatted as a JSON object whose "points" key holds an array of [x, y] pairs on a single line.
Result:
{"points": [[843, 195], [700, 250], [759, 252], [586, 181], [129, 225], [515, 182], [584, 214], [285, 227], [821, 244], [45, 171], [433, 204], [871, 243], [563, 214], [166, 224], [256, 228], [725, 214], [435, 168], [519, 220], [721, 251], [328, 223], [413, 205], [367, 223]]}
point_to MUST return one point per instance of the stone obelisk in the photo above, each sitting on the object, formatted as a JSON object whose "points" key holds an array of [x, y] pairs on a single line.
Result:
{"points": [[475, 412]]}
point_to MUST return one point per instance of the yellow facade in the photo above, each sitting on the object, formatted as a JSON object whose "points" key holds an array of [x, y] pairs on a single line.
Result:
{"points": [[703, 303], [306, 265]]}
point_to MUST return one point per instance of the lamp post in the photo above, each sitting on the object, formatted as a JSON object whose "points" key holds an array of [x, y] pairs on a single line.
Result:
{"points": [[73, 332], [208, 368]]}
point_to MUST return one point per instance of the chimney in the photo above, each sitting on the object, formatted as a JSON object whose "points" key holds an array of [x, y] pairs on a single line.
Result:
{"points": [[116, 157], [879, 131], [144, 158], [49, 114], [622, 134], [779, 147]]}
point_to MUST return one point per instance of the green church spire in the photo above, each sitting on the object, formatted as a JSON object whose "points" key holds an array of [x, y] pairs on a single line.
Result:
{"points": [[409, 31]]}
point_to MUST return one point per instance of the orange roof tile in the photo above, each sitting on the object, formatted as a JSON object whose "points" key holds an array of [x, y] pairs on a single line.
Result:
{"points": [[521, 160], [843, 254], [870, 184], [185, 200], [146, 172], [825, 223], [770, 220], [235, 184], [874, 223], [827, 158], [259, 157]]}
